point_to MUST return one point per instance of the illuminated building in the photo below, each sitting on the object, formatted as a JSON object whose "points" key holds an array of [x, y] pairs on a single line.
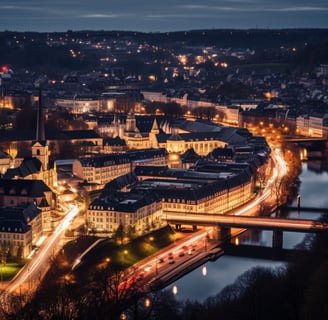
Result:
{"points": [[37, 167], [20, 228], [214, 188], [17, 235], [104, 168], [137, 213]]}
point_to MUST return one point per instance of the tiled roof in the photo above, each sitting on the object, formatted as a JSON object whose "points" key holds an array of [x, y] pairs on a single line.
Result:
{"points": [[26, 168], [25, 188], [119, 183], [18, 135], [228, 135], [125, 202], [117, 141], [13, 226], [25, 212]]}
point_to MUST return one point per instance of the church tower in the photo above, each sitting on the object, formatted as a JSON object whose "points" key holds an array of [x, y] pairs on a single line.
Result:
{"points": [[40, 147], [131, 124], [152, 135]]}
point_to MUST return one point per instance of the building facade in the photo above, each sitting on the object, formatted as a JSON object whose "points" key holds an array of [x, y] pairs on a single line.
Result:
{"points": [[136, 213], [104, 168]]}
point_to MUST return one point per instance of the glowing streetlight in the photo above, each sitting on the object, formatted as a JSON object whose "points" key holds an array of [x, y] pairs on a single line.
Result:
{"points": [[204, 271], [175, 290], [147, 303], [237, 241], [125, 252]]}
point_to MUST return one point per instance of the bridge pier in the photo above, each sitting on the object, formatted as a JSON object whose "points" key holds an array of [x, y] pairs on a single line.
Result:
{"points": [[223, 233], [178, 227], [277, 239], [194, 227]]}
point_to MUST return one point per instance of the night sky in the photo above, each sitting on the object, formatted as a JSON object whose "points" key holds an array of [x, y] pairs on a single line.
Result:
{"points": [[160, 15]]}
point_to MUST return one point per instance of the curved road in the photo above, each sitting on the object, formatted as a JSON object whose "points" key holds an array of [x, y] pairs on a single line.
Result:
{"points": [[40, 262]]}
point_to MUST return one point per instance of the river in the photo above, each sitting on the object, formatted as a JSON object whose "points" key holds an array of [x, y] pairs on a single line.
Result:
{"points": [[225, 270]]}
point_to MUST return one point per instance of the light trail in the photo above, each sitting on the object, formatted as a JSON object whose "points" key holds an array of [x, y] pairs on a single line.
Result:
{"points": [[40, 260]]}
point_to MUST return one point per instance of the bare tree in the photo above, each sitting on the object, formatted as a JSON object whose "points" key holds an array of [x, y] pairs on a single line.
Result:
{"points": [[279, 190]]}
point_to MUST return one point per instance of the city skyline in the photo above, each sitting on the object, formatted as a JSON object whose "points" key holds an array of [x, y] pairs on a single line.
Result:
{"points": [[171, 15]]}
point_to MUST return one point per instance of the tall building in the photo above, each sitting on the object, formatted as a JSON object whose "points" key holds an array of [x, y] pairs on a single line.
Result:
{"points": [[37, 167]]}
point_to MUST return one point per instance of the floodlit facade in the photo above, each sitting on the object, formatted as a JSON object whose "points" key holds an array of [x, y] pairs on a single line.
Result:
{"points": [[104, 168], [15, 238], [137, 213]]}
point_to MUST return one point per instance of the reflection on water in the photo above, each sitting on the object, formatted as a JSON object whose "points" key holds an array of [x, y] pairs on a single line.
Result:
{"points": [[224, 271], [194, 286]]}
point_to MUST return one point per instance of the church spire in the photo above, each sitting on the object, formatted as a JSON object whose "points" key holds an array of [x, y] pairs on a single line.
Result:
{"points": [[40, 131]]}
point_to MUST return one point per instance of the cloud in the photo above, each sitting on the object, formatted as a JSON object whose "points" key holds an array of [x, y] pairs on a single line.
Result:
{"points": [[104, 16], [182, 15], [303, 9], [254, 9]]}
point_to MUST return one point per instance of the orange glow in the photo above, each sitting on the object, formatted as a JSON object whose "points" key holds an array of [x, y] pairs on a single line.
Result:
{"points": [[183, 59], [268, 95], [147, 303]]}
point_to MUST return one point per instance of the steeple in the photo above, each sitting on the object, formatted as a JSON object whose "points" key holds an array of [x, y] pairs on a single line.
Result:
{"points": [[40, 146], [40, 131]]}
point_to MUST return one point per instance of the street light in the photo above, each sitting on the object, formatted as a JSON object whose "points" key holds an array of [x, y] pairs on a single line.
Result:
{"points": [[147, 303], [175, 290], [125, 252]]}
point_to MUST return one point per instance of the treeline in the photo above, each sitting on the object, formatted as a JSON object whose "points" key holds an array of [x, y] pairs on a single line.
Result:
{"points": [[238, 38], [18, 49]]}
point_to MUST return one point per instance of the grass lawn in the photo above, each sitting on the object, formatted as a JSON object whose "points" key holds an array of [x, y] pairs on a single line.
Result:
{"points": [[10, 269], [125, 255]]}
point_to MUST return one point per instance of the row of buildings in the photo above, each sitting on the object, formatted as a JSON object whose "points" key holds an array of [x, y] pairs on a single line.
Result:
{"points": [[27, 196], [210, 170], [159, 167], [139, 201], [313, 125]]}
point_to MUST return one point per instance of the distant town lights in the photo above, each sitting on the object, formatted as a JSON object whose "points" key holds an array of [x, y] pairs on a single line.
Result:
{"points": [[183, 59]]}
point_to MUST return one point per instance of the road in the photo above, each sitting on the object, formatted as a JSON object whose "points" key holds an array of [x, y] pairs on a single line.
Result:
{"points": [[171, 262], [33, 271]]}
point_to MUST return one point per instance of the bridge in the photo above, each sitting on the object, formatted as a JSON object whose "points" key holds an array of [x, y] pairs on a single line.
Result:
{"points": [[246, 222], [319, 144], [224, 223], [306, 139]]}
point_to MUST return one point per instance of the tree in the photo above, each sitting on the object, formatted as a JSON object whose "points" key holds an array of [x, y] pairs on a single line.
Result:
{"points": [[172, 109], [261, 176], [278, 188], [119, 233]]}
